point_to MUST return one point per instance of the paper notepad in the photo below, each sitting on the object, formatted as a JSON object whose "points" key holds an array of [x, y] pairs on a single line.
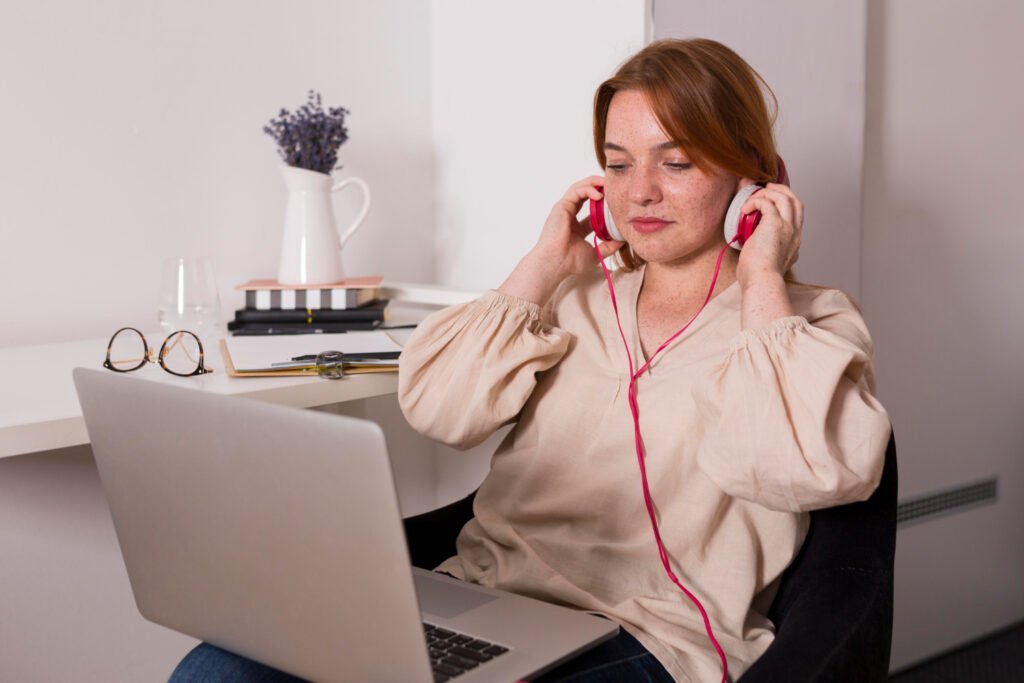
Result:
{"points": [[251, 355]]}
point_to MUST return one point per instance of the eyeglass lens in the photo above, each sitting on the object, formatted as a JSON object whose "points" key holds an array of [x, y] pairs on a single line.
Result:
{"points": [[180, 353], [127, 351]]}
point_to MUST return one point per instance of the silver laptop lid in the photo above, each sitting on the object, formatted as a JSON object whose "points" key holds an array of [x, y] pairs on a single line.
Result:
{"points": [[229, 526]]}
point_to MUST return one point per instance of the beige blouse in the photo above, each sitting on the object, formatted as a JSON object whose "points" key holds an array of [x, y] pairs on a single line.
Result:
{"points": [[744, 432]]}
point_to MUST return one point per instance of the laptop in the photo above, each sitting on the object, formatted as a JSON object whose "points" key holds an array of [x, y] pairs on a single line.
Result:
{"points": [[275, 533]]}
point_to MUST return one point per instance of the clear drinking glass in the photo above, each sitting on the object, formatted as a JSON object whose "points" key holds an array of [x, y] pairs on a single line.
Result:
{"points": [[188, 297]]}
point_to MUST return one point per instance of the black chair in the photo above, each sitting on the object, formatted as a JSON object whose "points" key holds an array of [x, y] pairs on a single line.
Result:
{"points": [[833, 610]]}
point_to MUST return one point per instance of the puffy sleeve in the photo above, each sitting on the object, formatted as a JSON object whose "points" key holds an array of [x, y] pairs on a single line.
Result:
{"points": [[791, 421], [469, 369]]}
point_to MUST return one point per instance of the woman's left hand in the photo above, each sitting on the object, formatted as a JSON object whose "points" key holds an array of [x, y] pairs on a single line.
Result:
{"points": [[775, 245]]}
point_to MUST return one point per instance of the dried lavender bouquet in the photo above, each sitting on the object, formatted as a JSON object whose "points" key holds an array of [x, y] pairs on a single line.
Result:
{"points": [[310, 137]]}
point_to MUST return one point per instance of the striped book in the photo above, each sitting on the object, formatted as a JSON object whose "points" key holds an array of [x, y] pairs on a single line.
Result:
{"points": [[270, 295]]}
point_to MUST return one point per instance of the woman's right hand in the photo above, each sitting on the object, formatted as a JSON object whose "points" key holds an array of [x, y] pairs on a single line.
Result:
{"points": [[564, 238], [562, 248]]}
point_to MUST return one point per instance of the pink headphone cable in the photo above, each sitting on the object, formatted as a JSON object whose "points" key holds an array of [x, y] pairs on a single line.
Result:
{"points": [[634, 408]]}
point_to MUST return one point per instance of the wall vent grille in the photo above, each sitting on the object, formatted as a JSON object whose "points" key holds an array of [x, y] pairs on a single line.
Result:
{"points": [[923, 508]]}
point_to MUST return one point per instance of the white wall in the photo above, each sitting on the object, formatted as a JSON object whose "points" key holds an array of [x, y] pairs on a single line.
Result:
{"points": [[812, 55], [513, 91], [941, 291], [132, 130]]}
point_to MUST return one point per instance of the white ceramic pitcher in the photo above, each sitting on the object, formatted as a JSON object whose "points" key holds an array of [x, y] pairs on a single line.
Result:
{"points": [[312, 241]]}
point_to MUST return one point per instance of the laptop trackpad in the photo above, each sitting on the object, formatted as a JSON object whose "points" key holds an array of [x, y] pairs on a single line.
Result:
{"points": [[445, 599]]}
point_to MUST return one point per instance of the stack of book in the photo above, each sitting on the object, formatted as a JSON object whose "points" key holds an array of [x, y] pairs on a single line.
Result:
{"points": [[273, 308]]}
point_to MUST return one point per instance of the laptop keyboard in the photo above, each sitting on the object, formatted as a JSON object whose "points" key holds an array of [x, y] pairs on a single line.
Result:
{"points": [[453, 653]]}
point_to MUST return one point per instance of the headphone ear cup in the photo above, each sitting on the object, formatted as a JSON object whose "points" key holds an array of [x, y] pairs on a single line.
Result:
{"points": [[609, 223], [597, 223], [738, 226]]}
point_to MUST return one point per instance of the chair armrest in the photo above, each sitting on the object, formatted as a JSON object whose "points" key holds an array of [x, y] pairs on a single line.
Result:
{"points": [[837, 627]]}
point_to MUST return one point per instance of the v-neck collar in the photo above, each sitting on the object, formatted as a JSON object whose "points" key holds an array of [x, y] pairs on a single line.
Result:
{"points": [[630, 297]]}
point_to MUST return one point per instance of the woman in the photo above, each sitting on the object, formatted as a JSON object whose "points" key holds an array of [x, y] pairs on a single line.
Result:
{"points": [[761, 410], [725, 436]]}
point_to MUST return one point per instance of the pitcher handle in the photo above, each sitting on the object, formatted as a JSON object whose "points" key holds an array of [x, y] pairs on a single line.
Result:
{"points": [[362, 212]]}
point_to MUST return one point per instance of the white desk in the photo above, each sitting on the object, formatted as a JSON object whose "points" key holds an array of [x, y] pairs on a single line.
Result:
{"points": [[39, 409]]}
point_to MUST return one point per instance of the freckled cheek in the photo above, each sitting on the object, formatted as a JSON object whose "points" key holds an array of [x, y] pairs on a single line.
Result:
{"points": [[698, 209], [615, 197]]}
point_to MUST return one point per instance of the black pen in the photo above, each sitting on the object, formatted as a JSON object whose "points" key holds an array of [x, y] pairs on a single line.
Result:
{"points": [[356, 357]]}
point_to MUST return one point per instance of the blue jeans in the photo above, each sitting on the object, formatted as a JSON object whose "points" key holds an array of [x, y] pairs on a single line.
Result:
{"points": [[620, 659]]}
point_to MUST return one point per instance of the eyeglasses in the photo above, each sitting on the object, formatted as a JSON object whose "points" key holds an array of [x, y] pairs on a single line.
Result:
{"points": [[181, 353]]}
